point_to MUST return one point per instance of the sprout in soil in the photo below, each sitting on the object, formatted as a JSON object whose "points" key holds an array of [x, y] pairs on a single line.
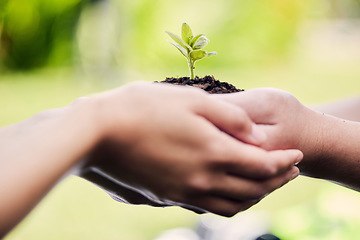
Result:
{"points": [[190, 46]]}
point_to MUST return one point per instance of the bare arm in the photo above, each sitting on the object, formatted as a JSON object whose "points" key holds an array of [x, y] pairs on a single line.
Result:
{"points": [[170, 141], [35, 153]]}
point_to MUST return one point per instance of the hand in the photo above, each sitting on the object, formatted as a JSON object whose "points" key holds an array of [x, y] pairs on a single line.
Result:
{"points": [[179, 146], [288, 123], [329, 144]]}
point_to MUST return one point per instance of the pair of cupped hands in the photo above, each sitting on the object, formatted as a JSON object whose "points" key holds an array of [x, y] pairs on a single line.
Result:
{"points": [[170, 145]]}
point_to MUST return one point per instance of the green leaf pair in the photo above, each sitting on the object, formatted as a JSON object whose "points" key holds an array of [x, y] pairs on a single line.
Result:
{"points": [[190, 46]]}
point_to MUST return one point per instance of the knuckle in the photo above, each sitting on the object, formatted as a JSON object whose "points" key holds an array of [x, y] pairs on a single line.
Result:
{"points": [[199, 184], [199, 99], [213, 151], [275, 94], [241, 120], [269, 170], [282, 97], [277, 98]]}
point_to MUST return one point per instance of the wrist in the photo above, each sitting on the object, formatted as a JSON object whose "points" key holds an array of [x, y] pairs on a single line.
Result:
{"points": [[84, 115], [313, 140], [114, 113], [333, 152]]}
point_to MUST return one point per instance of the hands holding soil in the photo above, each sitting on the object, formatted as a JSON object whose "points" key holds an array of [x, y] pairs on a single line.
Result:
{"points": [[165, 145], [176, 145], [222, 162]]}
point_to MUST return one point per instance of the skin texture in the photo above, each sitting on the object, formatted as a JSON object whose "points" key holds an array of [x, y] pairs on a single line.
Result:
{"points": [[178, 144], [36, 153], [329, 143]]}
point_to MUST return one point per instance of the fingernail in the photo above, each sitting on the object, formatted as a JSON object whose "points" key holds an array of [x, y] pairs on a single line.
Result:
{"points": [[258, 134], [294, 175], [299, 159]]}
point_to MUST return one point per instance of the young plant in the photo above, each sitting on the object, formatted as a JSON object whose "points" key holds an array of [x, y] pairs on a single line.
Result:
{"points": [[190, 46]]}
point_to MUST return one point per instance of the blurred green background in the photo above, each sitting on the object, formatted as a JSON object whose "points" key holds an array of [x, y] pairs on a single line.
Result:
{"points": [[53, 51]]}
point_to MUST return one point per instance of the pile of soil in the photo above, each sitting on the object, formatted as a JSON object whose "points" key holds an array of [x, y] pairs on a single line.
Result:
{"points": [[207, 83]]}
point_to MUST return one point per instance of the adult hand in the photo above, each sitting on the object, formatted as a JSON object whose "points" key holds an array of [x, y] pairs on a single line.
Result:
{"points": [[180, 146]]}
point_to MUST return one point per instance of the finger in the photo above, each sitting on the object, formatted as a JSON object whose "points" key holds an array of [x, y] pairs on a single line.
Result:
{"points": [[271, 164], [254, 102], [252, 162], [242, 189], [232, 120]]}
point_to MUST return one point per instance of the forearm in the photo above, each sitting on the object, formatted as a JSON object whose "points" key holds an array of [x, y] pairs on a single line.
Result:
{"points": [[339, 157], [36, 153], [335, 154], [347, 109]]}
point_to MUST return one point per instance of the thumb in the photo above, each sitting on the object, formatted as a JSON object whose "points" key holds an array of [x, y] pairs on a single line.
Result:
{"points": [[253, 102], [233, 120]]}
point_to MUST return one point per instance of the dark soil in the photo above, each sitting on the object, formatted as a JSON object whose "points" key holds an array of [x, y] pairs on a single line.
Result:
{"points": [[207, 83]]}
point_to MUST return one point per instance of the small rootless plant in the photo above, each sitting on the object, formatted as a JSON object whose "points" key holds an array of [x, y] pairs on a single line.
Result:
{"points": [[190, 46]]}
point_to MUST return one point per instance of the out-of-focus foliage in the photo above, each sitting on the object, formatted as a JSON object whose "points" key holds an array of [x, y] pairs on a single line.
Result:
{"points": [[36, 32], [245, 32], [333, 216], [344, 8], [241, 32]]}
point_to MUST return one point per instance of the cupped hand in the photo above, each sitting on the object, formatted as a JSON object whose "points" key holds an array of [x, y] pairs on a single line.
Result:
{"points": [[180, 146], [287, 123]]}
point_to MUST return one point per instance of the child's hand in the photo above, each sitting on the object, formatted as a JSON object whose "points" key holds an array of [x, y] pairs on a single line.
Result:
{"points": [[288, 124], [329, 144]]}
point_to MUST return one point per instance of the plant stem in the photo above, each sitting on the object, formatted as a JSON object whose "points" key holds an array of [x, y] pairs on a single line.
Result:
{"points": [[191, 68]]}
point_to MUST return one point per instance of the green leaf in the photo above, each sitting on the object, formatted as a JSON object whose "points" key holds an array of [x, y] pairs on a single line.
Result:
{"points": [[201, 42], [186, 33], [197, 54], [193, 41], [212, 53], [181, 49], [179, 41]]}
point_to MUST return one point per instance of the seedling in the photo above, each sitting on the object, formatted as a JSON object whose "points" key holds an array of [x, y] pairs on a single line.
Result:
{"points": [[190, 46]]}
